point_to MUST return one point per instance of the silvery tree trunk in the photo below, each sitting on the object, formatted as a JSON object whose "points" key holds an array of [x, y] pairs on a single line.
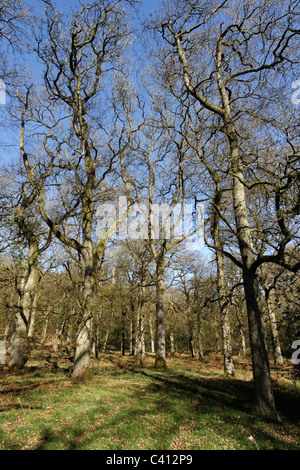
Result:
{"points": [[224, 311], [221, 283], [260, 360], [83, 341], [96, 334], [27, 297], [139, 352], [32, 317], [190, 329], [123, 336], [19, 336], [269, 293], [199, 338], [152, 342], [243, 341], [199, 324], [160, 349], [131, 337], [172, 344]]}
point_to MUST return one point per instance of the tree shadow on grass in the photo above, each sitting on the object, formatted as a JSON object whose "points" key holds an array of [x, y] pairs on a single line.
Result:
{"points": [[171, 400], [51, 440], [233, 393]]}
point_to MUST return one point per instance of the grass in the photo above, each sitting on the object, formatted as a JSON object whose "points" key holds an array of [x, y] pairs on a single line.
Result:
{"points": [[189, 406]]}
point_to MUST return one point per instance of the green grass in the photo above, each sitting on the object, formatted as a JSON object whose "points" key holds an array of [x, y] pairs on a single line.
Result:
{"points": [[118, 407]]}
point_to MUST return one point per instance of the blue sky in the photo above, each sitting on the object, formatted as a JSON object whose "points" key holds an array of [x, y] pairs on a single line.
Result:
{"points": [[10, 136], [147, 6]]}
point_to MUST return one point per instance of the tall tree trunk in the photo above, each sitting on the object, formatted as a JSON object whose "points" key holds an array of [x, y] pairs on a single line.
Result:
{"points": [[160, 349], [132, 335], [32, 317], [45, 327], [69, 345], [123, 337], [199, 326], [55, 340], [83, 342], [172, 344], [27, 294], [199, 338], [139, 347], [152, 342], [17, 345], [105, 341], [131, 338], [243, 350], [260, 361], [243, 342], [221, 285], [269, 293], [224, 310], [96, 334], [191, 346], [191, 332], [243, 338]]}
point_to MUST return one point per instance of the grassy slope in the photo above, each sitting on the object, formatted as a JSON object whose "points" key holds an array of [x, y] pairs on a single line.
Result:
{"points": [[189, 406]]}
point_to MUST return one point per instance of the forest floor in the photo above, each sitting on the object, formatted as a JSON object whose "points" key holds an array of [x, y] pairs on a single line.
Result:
{"points": [[189, 406]]}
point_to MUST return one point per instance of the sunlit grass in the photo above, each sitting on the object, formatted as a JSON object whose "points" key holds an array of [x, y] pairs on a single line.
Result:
{"points": [[189, 406]]}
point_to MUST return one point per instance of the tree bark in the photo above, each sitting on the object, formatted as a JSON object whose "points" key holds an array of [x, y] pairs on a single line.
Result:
{"points": [[27, 295], [139, 352], [152, 342], [123, 345], [278, 359], [160, 349], [32, 317], [190, 328], [224, 310], [45, 328], [199, 338], [172, 344], [260, 362], [83, 342], [221, 283]]}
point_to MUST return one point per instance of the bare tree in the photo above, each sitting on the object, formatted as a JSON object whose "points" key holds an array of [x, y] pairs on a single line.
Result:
{"points": [[240, 45], [20, 212], [78, 54]]}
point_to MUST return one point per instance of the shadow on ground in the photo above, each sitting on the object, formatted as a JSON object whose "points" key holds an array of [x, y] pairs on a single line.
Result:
{"points": [[169, 401]]}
